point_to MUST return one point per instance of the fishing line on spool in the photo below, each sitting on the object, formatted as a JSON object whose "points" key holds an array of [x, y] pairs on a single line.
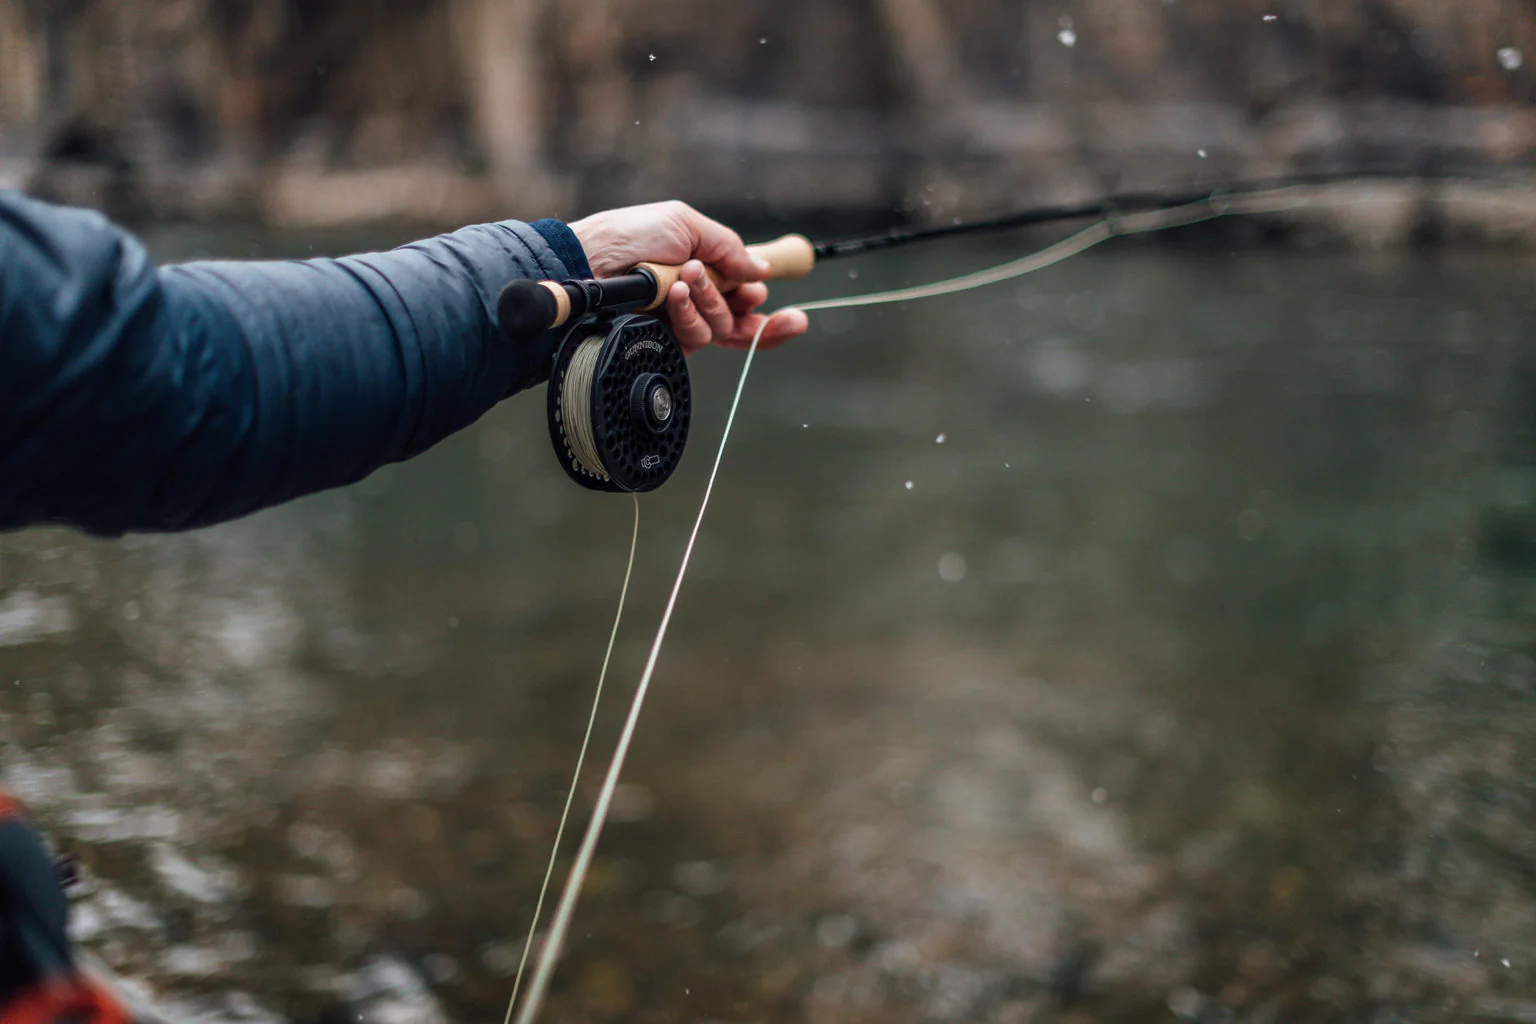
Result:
{"points": [[576, 403], [1272, 201]]}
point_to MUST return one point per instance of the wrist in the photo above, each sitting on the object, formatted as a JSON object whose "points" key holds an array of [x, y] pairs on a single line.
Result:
{"points": [[567, 244]]}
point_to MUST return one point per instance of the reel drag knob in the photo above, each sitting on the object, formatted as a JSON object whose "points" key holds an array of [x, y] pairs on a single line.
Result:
{"points": [[619, 403], [651, 402]]}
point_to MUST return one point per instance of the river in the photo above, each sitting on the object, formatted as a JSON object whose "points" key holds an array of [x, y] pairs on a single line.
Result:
{"points": [[1151, 638]]}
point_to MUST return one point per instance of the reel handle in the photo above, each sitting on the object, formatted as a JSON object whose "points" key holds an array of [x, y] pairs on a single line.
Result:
{"points": [[789, 258]]}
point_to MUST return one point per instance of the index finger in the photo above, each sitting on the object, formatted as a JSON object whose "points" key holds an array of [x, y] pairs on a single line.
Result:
{"points": [[723, 249]]}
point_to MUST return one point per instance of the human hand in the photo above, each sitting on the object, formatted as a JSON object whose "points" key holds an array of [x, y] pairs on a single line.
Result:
{"points": [[675, 233]]}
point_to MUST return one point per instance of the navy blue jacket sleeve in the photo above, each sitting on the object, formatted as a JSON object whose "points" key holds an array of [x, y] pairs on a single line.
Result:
{"points": [[142, 398]]}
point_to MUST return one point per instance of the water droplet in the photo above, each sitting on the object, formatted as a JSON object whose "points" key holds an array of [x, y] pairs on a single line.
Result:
{"points": [[1100, 795], [653, 56], [1067, 37], [637, 122], [1201, 152], [909, 485], [940, 439], [1510, 58], [951, 567], [1504, 961], [763, 41], [853, 273], [805, 426], [1269, 17]]}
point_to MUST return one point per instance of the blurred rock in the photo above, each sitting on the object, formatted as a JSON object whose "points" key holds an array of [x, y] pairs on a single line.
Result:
{"points": [[342, 111]]}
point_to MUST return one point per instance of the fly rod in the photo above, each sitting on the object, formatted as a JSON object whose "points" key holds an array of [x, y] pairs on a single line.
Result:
{"points": [[1105, 206], [619, 400], [529, 307]]}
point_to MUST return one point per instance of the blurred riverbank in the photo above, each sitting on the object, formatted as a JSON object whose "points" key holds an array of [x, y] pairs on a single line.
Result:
{"points": [[337, 113]]}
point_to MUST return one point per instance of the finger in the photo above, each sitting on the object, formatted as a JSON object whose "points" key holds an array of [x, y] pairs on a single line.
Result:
{"points": [[782, 325], [747, 298], [720, 247], [707, 299], [689, 327]]}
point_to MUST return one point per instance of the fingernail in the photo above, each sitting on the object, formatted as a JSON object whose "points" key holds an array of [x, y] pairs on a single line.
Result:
{"points": [[763, 266]]}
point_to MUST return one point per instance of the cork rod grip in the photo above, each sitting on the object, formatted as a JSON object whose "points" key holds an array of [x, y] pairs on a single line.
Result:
{"points": [[789, 258]]}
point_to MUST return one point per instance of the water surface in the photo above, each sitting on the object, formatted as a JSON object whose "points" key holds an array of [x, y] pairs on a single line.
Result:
{"points": [[1149, 638]]}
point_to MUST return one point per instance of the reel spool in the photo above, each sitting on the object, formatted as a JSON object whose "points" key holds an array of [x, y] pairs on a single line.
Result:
{"points": [[619, 402]]}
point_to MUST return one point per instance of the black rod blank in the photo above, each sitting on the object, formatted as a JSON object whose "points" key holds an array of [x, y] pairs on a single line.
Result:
{"points": [[1125, 202]]}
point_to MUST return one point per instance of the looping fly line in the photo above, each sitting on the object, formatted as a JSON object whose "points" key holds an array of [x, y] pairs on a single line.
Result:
{"points": [[1271, 201]]}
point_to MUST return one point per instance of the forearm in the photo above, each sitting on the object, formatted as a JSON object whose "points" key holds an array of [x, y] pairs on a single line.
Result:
{"points": [[145, 399]]}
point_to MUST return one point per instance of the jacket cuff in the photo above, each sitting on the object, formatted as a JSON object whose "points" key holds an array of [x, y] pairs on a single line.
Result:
{"points": [[566, 246]]}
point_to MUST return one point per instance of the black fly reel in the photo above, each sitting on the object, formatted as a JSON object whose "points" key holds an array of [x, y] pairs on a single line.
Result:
{"points": [[619, 402]]}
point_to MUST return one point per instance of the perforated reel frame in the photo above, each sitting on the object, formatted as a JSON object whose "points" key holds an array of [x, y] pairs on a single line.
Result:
{"points": [[637, 457]]}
